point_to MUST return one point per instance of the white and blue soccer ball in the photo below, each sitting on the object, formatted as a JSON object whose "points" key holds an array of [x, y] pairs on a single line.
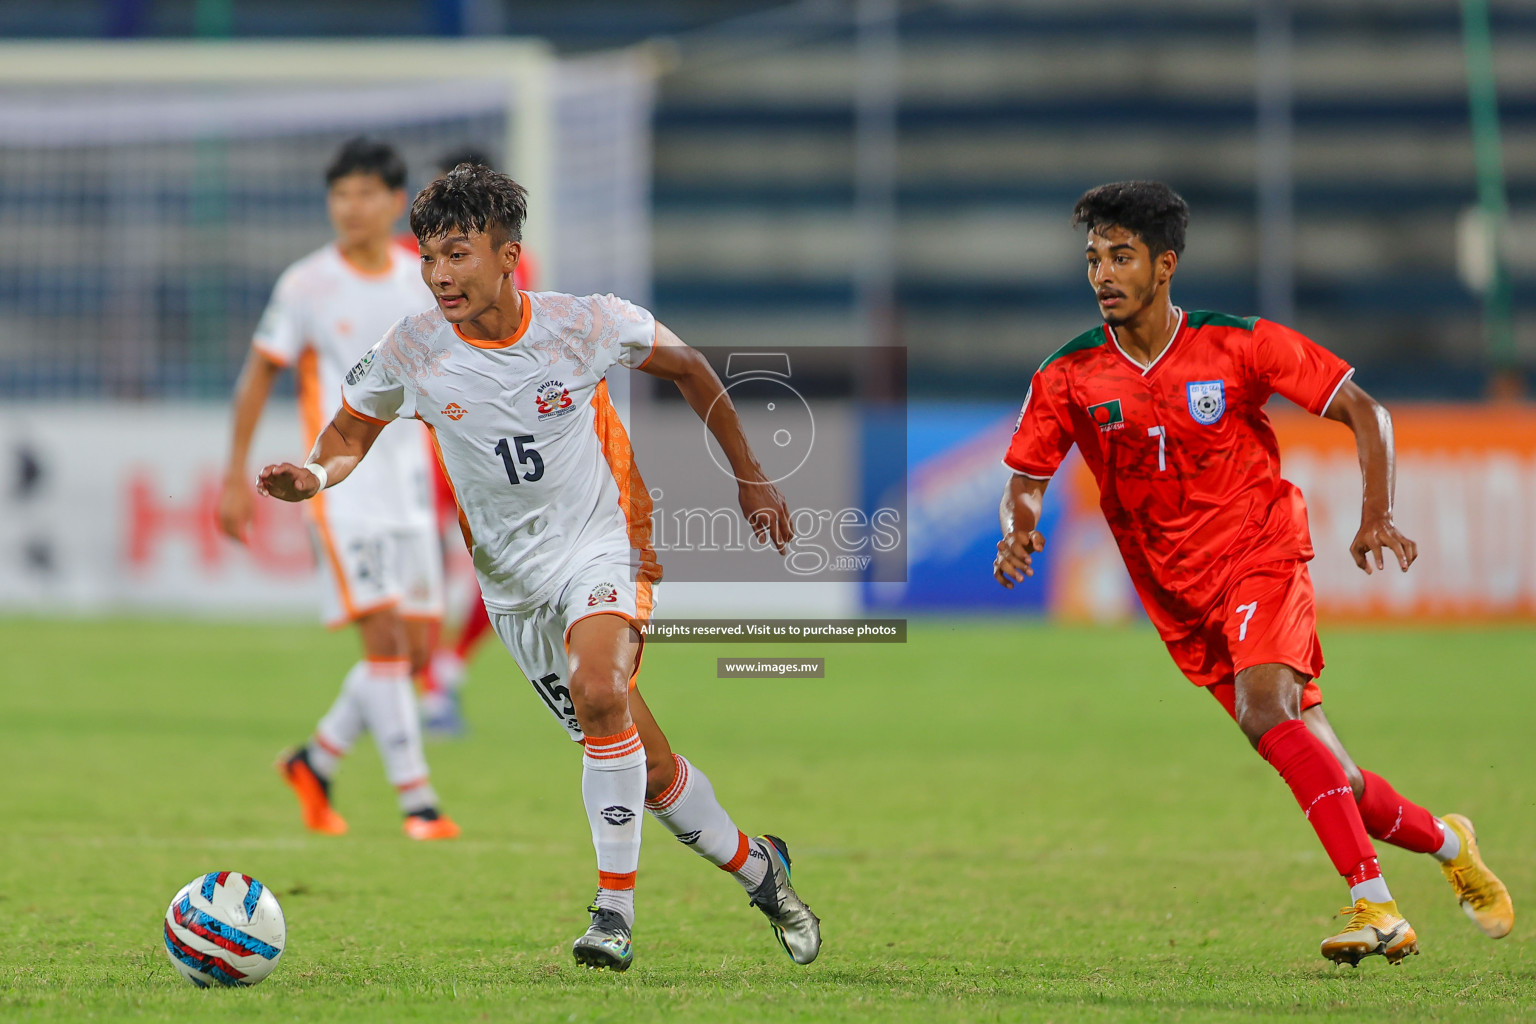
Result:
{"points": [[224, 928]]}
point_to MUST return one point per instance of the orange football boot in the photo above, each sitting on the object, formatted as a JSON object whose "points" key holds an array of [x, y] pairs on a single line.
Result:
{"points": [[313, 794], [438, 826]]}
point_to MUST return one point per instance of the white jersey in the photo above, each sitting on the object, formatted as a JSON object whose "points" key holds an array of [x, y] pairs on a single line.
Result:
{"points": [[540, 464], [323, 315]]}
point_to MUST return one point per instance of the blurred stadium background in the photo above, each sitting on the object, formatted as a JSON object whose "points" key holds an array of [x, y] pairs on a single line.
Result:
{"points": [[806, 174]]}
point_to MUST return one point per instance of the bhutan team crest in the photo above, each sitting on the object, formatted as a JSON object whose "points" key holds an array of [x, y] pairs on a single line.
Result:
{"points": [[1207, 400], [603, 593], [552, 398]]}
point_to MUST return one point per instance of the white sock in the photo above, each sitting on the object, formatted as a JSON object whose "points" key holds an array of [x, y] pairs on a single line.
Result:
{"points": [[389, 709], [1373, 889], [417, 798], [1450, 849], [689, 810], [341, 726], [613, 791]]}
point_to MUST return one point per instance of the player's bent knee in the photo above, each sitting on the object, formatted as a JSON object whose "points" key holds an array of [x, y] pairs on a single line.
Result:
{"points": [[600, 696], [1257, 715]]}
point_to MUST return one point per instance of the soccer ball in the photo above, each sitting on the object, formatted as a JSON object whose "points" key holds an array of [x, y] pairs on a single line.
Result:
{"points": [[224, 928]]}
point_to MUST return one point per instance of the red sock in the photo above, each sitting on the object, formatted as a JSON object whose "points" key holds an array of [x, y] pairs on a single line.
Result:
{"points": [[1394, 820], [1318, 782], [476, 622]]}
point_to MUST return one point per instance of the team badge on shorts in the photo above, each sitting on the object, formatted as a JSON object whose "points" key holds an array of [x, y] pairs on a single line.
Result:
{"points": [[1207, 400], [360, 371], [603, 593]]}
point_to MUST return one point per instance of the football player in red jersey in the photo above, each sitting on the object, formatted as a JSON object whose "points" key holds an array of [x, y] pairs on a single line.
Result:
{"points": [[1167, 407]]}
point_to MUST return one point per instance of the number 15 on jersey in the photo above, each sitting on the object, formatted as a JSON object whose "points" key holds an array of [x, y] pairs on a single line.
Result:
{"points": [[526, 455]]}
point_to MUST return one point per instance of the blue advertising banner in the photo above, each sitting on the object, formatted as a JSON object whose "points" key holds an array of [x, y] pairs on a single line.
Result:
{"points": [[954, 478]]}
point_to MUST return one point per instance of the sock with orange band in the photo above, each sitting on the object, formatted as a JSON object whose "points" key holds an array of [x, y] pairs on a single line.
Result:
{"points": [[341, 726], [689, 810], [613, 790], [1318, 782], [388, 706]]}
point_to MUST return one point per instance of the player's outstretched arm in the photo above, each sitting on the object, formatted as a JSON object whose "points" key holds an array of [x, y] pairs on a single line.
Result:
{"points": [[339, 448], [1372, 425], [1019, 514], [236, 503], [686, 367]]}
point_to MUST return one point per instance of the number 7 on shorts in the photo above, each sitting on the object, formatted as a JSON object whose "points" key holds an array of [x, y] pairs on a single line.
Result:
{"points": [[1247, 610]]}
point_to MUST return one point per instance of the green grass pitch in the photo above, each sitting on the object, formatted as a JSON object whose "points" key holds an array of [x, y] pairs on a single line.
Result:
{"points": [[996, 821]]}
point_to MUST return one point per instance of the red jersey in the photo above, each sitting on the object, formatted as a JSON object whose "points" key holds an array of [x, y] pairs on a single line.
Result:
{"points": [[1186, 461]]}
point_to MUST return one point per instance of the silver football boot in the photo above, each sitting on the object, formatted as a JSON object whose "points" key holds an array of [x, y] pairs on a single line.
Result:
{"points": [[797, 929], [606, 945]]}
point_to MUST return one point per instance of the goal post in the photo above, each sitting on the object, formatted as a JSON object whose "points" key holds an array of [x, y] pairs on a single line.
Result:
{"points": [[197, 165]]}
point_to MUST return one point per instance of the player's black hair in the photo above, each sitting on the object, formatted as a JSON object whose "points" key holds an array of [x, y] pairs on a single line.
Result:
{"points": [[471, 198], [464, 155], [1151, 210], [367, 156]]}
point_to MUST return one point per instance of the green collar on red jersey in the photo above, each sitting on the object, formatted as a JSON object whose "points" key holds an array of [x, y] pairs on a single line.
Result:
{"points": [[1206, 318], [1086, 340]]}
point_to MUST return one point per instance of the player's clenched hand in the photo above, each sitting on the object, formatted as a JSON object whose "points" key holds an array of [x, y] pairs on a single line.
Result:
{"points": [[1014, 556], [764, 508], [237, 506], [288, 482], [1377, 532]]}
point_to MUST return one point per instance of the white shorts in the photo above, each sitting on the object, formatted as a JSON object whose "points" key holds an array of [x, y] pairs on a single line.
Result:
{"points": [[368, 567], [537, 637]]}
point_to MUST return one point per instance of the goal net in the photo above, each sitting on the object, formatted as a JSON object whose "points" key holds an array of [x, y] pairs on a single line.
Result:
{"points": [[150, 194]]}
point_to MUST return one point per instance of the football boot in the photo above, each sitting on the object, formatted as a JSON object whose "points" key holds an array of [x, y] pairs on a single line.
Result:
{"points": [[606, 945], [797, 929], [1478, 890], [313, 792], [430, 824], [1374, 929]]}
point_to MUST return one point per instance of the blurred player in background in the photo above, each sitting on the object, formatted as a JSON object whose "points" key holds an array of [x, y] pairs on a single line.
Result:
{"points": [[1167, 409], [376, 542], [513, 386], [443, 679]]}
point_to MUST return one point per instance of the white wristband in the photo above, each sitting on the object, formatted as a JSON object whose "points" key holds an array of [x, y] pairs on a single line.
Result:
{"points": [[319, 471]]}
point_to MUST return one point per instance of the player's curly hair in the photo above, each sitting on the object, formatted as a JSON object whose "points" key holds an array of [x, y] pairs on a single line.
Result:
{"points": [[362, 155], [1154, 212], [471, 198]]}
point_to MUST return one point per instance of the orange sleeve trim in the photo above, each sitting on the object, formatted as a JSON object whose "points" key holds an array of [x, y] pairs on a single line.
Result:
{"points": [[271, 356], [620, 880], [743, 851], [361, 415], [655, 337]]}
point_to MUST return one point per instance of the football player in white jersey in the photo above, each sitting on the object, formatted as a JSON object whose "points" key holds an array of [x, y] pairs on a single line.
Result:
{"points": [[376, 541], [512, 385]]}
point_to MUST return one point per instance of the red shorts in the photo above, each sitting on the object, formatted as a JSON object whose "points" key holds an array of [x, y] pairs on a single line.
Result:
{"points": [[1266, 617]]}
